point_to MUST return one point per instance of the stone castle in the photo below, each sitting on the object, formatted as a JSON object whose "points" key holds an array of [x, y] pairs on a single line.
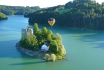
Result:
{"points": [[25, 31]]}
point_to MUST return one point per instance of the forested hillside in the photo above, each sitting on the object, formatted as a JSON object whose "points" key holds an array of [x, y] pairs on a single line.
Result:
{"points": [[84, 14], [2, 16], [43, 10], [17, 10]]}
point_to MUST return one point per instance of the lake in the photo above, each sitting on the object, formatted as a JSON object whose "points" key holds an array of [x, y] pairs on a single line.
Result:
{"points": [[85, 48]]}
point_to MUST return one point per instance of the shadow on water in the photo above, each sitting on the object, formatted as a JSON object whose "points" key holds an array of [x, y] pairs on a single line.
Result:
{"points": [[27, 63], [100, 45], [91, 36], [8, 50], [94, 39]]}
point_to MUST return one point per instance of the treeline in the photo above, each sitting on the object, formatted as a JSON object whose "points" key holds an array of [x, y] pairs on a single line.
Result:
{"points": [[17, 10], [43, 10], [2, 16], [84, 14]]}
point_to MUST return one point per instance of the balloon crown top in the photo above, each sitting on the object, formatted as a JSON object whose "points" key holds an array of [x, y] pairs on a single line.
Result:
{"points": [[51, 19]]}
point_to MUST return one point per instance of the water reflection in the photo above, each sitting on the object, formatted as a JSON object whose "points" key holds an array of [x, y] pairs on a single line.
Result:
{"points": [[28, 63]]}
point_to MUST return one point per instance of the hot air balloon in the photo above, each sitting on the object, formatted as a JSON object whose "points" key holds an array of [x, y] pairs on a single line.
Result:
{"points": [[51, 21]]}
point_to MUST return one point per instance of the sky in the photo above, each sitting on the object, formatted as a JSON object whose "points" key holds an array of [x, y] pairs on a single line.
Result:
{"points": [[40, 3]]}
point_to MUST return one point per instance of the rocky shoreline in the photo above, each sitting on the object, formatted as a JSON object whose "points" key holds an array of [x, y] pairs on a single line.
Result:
{"points": [[31, 53]]}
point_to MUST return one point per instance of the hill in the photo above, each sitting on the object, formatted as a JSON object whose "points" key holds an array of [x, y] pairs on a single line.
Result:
{"points": [[83, 14], [43, 10], [18, 10]]}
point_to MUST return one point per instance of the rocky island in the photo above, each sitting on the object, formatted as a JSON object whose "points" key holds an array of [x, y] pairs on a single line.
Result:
{"points": [[41, 43]]}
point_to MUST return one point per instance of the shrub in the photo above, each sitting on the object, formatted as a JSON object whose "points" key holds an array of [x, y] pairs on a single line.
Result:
{"points": [[50, 57], [47, 57], [59, 57], [53, 57]]}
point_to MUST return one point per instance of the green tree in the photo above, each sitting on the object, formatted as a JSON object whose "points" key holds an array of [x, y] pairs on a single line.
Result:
{"points": [[44, 32], [58, 36], [53, 47], [49, 37], [36, 28], [61, 50], [32, 42]]}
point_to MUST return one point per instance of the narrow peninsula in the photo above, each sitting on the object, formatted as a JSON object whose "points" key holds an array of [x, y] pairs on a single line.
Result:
{"points": [[41, 43], [2, 16]]}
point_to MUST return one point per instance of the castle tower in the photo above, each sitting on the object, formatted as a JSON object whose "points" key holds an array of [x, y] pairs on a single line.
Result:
{"points": [[30, 30], [24, 33]]}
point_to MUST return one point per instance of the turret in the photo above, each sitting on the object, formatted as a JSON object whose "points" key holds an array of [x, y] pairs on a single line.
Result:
{"points": [[30, 30], [25, 31]]}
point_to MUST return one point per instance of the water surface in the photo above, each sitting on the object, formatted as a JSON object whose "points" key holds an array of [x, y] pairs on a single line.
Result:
{"points": [[85, 49]]}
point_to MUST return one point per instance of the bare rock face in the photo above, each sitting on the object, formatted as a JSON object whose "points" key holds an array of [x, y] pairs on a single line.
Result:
{"points": [[31, 53]]}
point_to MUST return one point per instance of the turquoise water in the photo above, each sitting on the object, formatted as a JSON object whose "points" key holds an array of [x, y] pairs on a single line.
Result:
{"points": [[85, 48]]}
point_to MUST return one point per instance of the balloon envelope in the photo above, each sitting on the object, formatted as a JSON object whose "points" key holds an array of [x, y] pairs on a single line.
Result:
{"points": [[51, 21]]}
